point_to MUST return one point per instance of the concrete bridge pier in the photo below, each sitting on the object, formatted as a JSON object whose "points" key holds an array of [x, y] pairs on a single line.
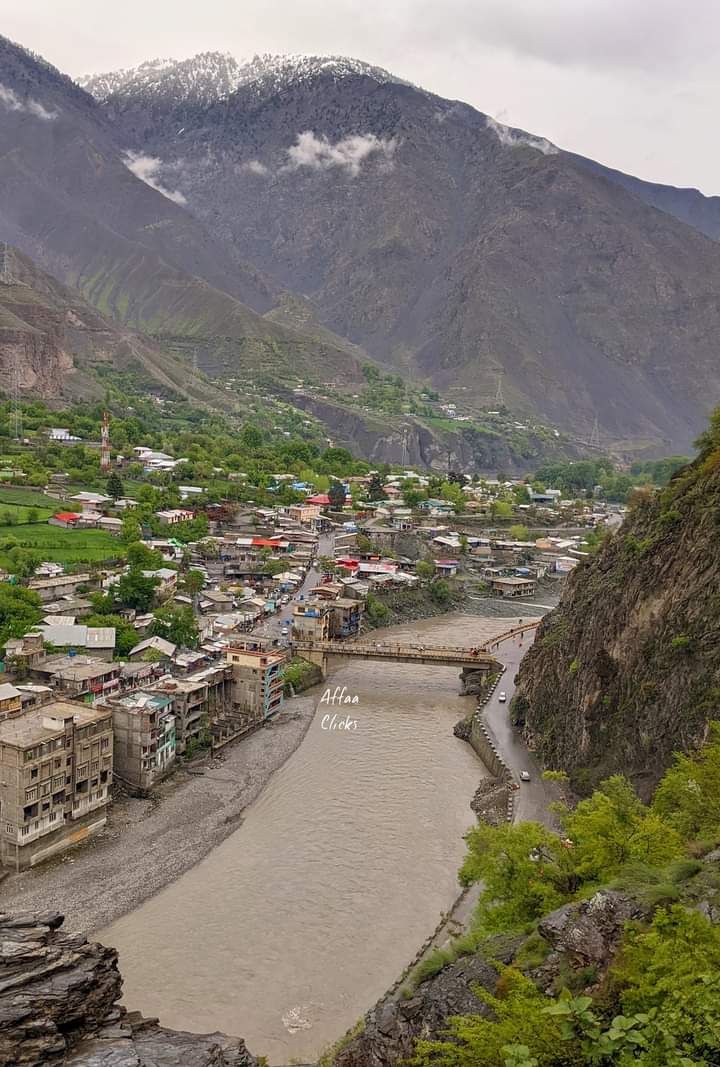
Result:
{"points": [[472, 679], [319, 658]]}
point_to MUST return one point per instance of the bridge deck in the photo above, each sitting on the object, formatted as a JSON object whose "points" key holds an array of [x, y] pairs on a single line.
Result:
{"points": [[441, 656]]}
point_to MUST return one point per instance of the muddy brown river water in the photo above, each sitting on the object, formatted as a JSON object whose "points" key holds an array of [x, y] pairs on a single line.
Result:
{"points": [[288, 931]]}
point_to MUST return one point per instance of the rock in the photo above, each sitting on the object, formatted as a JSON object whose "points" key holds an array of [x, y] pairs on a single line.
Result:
{"points": [[490, 802], [59, 1004], [590, 931], [393, 1025]]}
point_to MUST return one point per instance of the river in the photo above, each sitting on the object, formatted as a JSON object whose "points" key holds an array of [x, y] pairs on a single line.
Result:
{"points": [[290, 929]]}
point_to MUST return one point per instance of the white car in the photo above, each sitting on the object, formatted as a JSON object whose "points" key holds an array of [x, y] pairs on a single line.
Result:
{"points": [[502, 697], [284, 632], [524, 776]]}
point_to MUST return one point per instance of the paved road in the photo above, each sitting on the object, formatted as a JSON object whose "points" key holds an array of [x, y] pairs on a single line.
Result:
{"points": [[533, 799], [271, 627]]}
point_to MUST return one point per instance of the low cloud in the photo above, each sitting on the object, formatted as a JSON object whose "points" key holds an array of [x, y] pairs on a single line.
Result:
{"points": [[513, 138], [254, 166], [10, 100], [349, 153], [147, 169]]}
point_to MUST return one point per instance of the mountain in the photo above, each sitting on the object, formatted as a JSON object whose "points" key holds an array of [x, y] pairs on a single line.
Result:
{"points": [[625, 671], [55, 345], [448, 246], [73, 201]]}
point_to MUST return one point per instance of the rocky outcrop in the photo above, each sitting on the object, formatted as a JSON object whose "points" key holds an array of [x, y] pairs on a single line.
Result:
{"points": [[590, 931], [625, 671], [392, 1027], [59, 998]]}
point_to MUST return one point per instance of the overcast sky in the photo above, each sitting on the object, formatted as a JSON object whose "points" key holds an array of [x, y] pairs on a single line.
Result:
{"points": [[633, 83]]}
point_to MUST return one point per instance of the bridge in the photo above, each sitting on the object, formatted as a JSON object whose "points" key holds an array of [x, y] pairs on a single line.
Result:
{"points": [[476, 659]]}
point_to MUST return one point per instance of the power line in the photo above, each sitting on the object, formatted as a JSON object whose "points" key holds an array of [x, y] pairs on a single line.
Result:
{"points": [[499, 398], [17, 408], [594, 441], [6, 276]]}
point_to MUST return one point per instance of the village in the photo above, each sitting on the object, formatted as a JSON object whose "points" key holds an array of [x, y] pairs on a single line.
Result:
{"points": [[186, 644]]}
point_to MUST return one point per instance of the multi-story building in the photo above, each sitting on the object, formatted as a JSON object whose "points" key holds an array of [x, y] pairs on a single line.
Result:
{"points": [[10, 700], [257, 683], [311, 620], [144, 745], [345, 615], [56, 764], [78, 676], [202, 704]]}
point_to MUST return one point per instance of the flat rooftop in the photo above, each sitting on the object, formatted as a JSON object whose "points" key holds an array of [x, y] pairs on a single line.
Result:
{"points": [[28, 728]]}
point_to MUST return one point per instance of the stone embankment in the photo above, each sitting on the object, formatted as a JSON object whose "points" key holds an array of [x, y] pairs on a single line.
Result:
{"points": [[59, 1004]]}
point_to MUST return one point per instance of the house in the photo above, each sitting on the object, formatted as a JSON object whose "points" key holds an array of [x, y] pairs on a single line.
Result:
{"points": [[10, 700], [167, 581], [110, 524], [61, 434], [68, 520], [77, 676], [56, 768], [166, 649], [173, 516], [91, 503], [188, 491], [305, 514], [513, 586], [144, 745], [446, 568], [345, 617], [217, 600], [96, 640], [60, 585]]}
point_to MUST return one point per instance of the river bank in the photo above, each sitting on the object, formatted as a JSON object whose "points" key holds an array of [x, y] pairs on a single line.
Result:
{"points": [[148, 843]]}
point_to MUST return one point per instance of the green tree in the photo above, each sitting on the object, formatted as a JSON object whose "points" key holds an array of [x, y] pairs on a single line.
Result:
{"points": [[613, 828], [176, 623], [337, 496], [131, 530], [688, 797], [126, 636], [134, 590], [193, 583], [115, 488], [501, 509], [424, 569], [518, 532], [440, 591], [375, 489], [33, 516], [20, 610], [142, 557]]}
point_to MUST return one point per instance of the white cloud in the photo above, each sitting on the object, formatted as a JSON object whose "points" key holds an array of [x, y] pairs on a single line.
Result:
{"points": [[254, 166], [10, 100], [512, 138], [146, 168], [349, 153]]}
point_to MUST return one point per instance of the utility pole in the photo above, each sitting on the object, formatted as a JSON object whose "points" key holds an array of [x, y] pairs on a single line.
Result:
{"points": [[499, 398], [105, 444], [6, 277], [594, 441], [16, 406]]}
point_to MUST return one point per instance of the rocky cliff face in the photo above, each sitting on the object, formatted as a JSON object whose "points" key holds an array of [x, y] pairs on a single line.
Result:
{"points": [[32, 344], [58, 1005], [625, 671]]}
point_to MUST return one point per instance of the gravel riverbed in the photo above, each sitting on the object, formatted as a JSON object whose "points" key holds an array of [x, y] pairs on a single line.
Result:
{"points": [[148, 843]]}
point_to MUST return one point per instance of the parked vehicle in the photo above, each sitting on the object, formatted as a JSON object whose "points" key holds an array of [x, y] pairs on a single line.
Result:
{"points": [[502, 697], [524, 776], [284, 632]]}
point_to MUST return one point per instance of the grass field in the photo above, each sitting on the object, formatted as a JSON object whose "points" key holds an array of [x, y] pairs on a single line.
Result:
{"points": [[57, 545], [28, 497]]}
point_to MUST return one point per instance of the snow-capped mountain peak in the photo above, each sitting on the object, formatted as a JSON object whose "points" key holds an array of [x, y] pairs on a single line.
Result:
{"points": [[211, 76]]}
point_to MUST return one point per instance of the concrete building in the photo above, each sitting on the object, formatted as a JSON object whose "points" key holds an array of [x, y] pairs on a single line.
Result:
{"points": [[60, 585], [311, 620], [511, 586], [56, 765], [257, 683], [78, 676], [345, 616], [203, 706], [144, 746], [10, 700]]}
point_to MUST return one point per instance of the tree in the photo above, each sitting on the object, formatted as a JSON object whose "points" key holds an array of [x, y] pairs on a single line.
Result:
{"points": [[412, 497], [688, 797], [337, 496], [131, 530], [424, 569], [115, 488], [24, 561], [194, 582], [375, 489], [440, 591], [140, 556], [251, 436], [20, 610], [501, 509], [33, 516], [518, 532], [327, 564], [613, 828], [176, 623], [134, 590]]}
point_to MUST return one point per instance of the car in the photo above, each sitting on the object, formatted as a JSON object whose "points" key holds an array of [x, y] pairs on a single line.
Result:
{"points": [[524, 776], [284, 632], [502, 698]]}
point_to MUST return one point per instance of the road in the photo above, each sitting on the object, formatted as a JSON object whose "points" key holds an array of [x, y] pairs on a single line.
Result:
{"points": [[533, 799], [271, 627]]}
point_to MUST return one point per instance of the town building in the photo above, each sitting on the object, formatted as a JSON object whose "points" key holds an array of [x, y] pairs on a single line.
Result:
{"points": [[56, 765], [513, 586], [144, 745], [77, 677], [345, 617], [60, 585], [257, 682], [202, 706], [311, 620]]}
